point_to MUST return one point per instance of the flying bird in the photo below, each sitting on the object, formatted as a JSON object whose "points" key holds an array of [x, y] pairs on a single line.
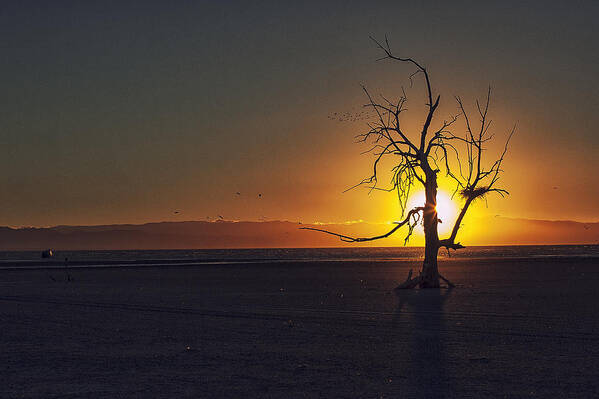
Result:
{"points": [[238, 193], [220, 217]]}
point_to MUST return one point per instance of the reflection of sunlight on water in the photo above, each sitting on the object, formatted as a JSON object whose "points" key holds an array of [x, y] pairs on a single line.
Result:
{"points": [[447, 209]]}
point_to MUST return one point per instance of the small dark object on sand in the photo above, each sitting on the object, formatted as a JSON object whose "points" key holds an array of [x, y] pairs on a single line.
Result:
{"points": [[66, 269]]}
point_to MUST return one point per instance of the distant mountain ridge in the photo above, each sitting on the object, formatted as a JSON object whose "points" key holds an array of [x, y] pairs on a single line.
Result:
{"points": [[277, 234]]}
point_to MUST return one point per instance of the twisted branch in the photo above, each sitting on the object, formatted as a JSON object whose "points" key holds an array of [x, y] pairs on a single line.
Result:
{"points": [[411, 225]]}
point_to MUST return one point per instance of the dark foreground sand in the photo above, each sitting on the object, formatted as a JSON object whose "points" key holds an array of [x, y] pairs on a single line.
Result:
{"points": [[513, 328]]}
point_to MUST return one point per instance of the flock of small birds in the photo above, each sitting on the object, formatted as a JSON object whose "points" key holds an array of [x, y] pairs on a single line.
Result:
{"points": [[350, 116], [220, 217]]}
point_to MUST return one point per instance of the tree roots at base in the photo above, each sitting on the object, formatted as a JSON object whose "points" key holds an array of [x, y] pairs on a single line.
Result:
{"points": [[411, 283]]}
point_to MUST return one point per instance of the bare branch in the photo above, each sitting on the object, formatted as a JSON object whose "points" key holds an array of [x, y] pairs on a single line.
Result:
{"points": [[480, 181], [413, 212]]}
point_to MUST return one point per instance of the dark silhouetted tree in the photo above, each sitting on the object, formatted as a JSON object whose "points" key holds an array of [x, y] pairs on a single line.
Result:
{"points": [[419, 157]]}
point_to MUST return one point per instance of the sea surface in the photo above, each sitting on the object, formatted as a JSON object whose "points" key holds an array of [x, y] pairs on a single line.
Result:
{"points": [[14, 259]]}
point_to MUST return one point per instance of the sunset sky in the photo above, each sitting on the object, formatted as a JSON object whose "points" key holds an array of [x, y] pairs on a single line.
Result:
{"points": [[117, 112]]}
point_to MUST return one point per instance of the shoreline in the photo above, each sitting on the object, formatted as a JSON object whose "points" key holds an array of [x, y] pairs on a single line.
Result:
{"points": [[185, 263]]}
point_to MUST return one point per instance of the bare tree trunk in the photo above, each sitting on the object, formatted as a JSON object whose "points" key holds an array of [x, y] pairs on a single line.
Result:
{"points": [[430, 270]]}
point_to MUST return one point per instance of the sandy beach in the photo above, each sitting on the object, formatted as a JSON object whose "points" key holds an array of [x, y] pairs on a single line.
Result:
{"points": [[512, 328]]}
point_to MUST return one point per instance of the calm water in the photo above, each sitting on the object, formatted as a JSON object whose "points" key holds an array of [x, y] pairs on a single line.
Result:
{"points": [[12, 258]]}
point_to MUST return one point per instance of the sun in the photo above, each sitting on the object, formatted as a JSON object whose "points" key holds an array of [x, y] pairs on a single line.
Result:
{"points": [[447, 210]]}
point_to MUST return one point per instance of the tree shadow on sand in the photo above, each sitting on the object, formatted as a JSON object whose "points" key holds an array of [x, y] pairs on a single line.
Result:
{"points": [[421, 312]]}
